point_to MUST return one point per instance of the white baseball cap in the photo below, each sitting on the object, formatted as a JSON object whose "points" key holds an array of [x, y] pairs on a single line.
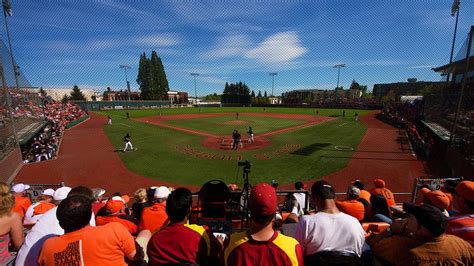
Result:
{"points": [[20, 188], [61, 193], [48, 192], [162, 192]]}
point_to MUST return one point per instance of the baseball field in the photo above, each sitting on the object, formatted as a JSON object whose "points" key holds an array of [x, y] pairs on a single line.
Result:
{"points": [[192, 145]]}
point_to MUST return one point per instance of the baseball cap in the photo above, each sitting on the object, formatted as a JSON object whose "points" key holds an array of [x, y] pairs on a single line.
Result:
{"points": [[357, 183], [98, 192], [428, 216], [61, 193], [300, 185], [353, 192], [379, 183], [438, 199], [465, 189], [48, 192], [162, 192], [424, 191], [263, 200], [116, 203], [20, 188]]}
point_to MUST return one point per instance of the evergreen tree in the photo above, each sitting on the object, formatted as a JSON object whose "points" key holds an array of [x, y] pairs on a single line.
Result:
{"points": [[259, 95], [42, 92], [265, 94], [144, 77], [65, 99], [253, 94], [159, 83], [76, 94]]}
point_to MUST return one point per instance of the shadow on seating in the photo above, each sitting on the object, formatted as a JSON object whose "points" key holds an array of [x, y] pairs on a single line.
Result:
{"points": [[212, 201]]}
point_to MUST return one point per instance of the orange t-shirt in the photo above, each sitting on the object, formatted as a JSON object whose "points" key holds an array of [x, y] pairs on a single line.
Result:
{"points": [[365, 195], [386, 193], [21, 205], [103, 220], [352, 207], [43, 207], [154, 217], [101, 245]]}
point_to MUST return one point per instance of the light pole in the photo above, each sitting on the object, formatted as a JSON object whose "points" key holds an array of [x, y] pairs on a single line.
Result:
{"points": [[8, 11], [195, 88], [339, 72], [454, 11], [273, 80], [125, 67]]}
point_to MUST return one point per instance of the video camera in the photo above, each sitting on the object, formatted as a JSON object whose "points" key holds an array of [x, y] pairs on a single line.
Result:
{"points": [[245, 164]]}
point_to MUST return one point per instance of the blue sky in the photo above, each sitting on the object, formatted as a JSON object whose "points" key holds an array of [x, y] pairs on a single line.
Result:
{"points": [[60, 43]]}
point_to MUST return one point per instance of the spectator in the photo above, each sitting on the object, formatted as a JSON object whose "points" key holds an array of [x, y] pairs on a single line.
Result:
{"points": [[97, 194], [329, 229], [262, 245], [82, 244], [300, 196], [48, 226], [419, 239], [154, 217], [438, 199], [115, 212], [201, 246], [364, 194], [351, 205], [381, 200], [42, 205], [22, 202], [462, 224], [11, 228], [141, 201]]}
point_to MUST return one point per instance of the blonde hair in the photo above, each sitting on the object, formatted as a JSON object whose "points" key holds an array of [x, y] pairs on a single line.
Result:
{"points": [[7, 200], [140, 195]]}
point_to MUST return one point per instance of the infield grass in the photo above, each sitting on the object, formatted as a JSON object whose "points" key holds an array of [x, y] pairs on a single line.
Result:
{"points": [[312, 154]]}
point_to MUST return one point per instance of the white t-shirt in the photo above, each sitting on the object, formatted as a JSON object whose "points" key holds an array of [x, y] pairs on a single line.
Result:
{"points": [[47, 226], [324, 231], [301, 198]]}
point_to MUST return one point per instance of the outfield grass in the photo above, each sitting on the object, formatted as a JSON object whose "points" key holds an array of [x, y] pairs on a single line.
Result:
{"points": [[158, 158], [224, 125]]}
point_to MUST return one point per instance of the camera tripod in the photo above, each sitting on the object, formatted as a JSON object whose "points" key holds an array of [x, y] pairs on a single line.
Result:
{"points": [[245, 196]]}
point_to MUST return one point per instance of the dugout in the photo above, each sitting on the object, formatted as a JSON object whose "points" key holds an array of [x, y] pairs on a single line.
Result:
{"points": [[117, 105]]}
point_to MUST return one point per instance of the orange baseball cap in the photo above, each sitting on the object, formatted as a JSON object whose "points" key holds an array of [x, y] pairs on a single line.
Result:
{"points": [[379, 183], [424, 191], [465, 189], [438, 199], [115, 204]]}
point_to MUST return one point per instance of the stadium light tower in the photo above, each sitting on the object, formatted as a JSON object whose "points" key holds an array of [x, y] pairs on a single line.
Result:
{"points": [[339, 72], [7, 10], [273, 80], [195, 87], [125, 67]]}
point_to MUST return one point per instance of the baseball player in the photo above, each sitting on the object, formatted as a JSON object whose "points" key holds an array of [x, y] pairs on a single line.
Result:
{"points": [[250, 135], [128, 143]]}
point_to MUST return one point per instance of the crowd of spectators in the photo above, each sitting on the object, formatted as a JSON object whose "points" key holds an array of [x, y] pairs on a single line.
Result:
{"points": [[44, 146], [79, 226]]}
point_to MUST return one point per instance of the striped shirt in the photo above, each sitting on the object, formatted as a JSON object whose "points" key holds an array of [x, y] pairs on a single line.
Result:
{"points": [[462, 226]]}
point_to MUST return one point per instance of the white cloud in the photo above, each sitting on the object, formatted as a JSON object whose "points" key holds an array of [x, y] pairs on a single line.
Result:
{"points": [[166, 39], [423, 66], [278, 48], [228, 46]]}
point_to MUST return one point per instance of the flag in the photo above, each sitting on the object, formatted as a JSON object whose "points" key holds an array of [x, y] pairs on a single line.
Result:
{"points": [[455, 7], [7, 8]]}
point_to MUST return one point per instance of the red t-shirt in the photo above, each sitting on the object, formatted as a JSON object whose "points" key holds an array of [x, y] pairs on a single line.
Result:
{"points": [[179, 242], [131, 226], [21, 205], [154, 217], [101, 245], [241, 249], [352, 207], [96, 206]]}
